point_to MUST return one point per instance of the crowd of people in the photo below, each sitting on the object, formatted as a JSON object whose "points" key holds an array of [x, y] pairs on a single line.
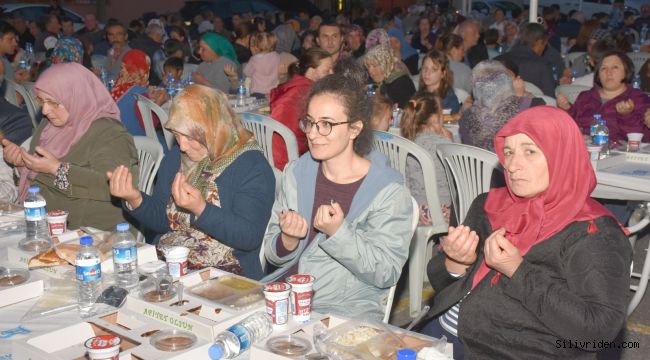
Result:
{"points": [[534, 261]]}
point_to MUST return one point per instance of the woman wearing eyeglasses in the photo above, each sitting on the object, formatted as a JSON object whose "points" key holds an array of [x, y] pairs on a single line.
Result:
{"points": [[343, 215], [214, 191], [71, 151]]}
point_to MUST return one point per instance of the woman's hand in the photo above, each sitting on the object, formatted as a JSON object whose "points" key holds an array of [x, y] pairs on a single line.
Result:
{"points": [[328, 218], [12, 153], [425, 215], [186, 196], [467, 103], [42, 161], [460, 245], [563, 102], [646, 118], [625, 107], [120, 184], [158, 95], [501, 255], [230, 70], [293, 228]]}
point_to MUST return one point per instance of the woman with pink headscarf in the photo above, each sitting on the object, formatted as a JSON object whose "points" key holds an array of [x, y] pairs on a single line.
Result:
{"points": [[70, 152]]}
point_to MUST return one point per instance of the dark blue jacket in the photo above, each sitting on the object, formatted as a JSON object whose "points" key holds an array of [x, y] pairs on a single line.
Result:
{"points": [[246, 190]]}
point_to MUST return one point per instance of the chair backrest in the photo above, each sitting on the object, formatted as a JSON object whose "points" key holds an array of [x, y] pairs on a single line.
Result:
{"points": [[147, 107], [638, 58], [571, 91], [572, 56], [397, 149], [263, 128], [30, 102], [150, 154], [533, 89], [549, 100], [461, 94], [469, 172]]}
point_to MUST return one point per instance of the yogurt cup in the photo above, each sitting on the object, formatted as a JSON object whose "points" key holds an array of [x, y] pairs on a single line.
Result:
{"points": [[104, 347], [276, 296], [301, 296], [634, 141], [176, 258], [57, 222]]}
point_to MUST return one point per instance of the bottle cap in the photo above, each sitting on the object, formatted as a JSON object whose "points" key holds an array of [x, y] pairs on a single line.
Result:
{"points": [[406, 354], [34, 189], [86, 240], [215, 352], [122, 227]]}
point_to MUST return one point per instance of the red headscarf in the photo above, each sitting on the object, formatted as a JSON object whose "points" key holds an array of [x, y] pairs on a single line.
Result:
{"points": [[85, 98], [529, 221], [134, 72]]}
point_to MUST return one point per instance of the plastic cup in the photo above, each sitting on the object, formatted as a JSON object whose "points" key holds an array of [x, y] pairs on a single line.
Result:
{"points": [[594, 152], [276, 296], [301, 296], [176, 258], [634, 141], [104, 347], [57, 222]]}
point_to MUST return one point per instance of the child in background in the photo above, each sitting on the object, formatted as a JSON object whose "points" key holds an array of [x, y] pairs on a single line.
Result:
{"points": [[263, 66], [173, 66], [382, 112], [422, 123], [491, 41]]}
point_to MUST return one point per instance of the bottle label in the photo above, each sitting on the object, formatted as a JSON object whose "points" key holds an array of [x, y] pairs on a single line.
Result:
{"points": [[600, 139], [35, 210], [125, 255], [592, 130], [242, 335], [88, 270]]}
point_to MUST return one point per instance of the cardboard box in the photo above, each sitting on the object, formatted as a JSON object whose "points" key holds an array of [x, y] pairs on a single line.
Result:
{"points": [[203, 318], [306, 331], [68, 342], [31, 288]]}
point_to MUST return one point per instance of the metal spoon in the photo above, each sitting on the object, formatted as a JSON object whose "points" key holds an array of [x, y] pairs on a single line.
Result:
{"points": [[180, 301], [419, 317]]}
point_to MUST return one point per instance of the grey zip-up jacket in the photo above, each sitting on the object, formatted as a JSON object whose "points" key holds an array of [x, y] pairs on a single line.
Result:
{"points": [[354, 268]]}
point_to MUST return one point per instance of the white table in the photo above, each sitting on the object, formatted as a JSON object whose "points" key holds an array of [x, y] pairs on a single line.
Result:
{"points": [[624, 176]]}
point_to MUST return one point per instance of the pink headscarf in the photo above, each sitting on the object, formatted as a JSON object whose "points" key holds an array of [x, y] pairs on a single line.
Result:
{"points": [[85, 98]]}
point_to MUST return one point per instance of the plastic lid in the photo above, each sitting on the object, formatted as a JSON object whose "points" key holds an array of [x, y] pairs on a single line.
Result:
{"points": [[34, 188], [407, 354], [215, 352], [86, 240], [122, 227]]}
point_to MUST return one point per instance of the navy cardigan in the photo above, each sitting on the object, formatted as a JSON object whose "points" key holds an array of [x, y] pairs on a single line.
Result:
{"points": [[246, 190]]}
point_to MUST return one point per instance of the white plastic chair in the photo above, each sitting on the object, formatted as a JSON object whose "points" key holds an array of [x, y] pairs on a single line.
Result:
{"points": [[636, 224], [263, 128], [146, 107], [150, 154], [572, 56], [571, 91], [391, 293], [533, 89], [397, 149], [11, 88], [638, 58], [469, 173], [461, 94], [549, 100]]}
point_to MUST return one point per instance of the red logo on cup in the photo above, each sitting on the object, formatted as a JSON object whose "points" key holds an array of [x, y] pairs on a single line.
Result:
{"points": [[276, 296]]}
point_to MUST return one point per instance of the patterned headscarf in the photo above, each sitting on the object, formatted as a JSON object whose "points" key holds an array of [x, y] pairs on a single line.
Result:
{"points": [[204, 114], [491, 83], [68, 49], [134, 72], [390, 66], [377, 37], [220, 45]]}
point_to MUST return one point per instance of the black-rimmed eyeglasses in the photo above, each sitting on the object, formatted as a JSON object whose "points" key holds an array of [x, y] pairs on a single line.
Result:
{"points": [[323, 127]]}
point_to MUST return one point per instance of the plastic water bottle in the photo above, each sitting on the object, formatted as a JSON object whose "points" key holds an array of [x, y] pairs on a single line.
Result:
{"points": [[555, 77], [27, 58], [241, 92], [643, 35], [601, 137], [89, 275], [407, 354], [125, 257], [239, 337], [636, 83], [105, 77], [171, 85], [594, 124], [37, 235]]}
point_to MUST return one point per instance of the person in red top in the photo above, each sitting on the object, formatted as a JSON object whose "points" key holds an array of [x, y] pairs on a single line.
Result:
{"points": [[288, 99]]}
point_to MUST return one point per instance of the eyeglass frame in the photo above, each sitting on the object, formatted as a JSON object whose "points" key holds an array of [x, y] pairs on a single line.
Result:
{"points": [[318, 127], [51, 103]]}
